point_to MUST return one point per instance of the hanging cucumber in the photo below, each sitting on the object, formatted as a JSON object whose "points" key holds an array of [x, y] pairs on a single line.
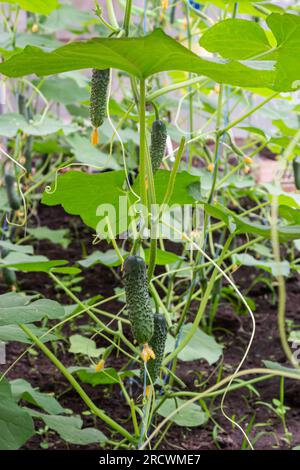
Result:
{"points": [[28, 153], [158, 143], [9, 277], [138, 299], [296, 169], [28, 147], [99, 96], [11, 191], [157, 343], [22, 106]]}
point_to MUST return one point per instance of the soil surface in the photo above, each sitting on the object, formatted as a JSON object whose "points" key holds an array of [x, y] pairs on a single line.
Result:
{"points": [[244, 405]]}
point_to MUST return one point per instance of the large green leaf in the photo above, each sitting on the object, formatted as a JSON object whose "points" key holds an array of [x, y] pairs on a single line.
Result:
{"points": [[181, 194], [141, 57], [58, 236], [12, 299], [92, 377], [21, 389], [111, 259], [15, 333], [163, 257], [64, 90], [36, 6], [16, 425], [276, 269], [157, 52], [67, 17], [201, 346], [108, 258], [243, 39], [29, 312], [82, 193], [82, 345], [286, 29], [69, 429], [88, 154], [190, 416], [7, 245], [37, 263], [11, 123]]}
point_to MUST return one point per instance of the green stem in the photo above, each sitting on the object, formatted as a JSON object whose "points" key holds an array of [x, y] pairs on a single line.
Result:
{"points": [[107, 25], [276, 250], [262, 9], [281, 285], [111, 14], [175, 86], [146, 176], [229, 174], [113, 240], [152, 218], [215, 173], [171, 182], [142, 163], [152, 258], [132, 408], [127, 16], [90, 404]]}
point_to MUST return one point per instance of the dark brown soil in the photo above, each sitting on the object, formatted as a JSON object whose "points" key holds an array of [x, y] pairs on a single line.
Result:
{"points": [[232, 330]]}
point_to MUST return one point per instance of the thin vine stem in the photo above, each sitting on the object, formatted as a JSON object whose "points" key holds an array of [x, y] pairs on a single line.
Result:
{"points": [[127, 15]]}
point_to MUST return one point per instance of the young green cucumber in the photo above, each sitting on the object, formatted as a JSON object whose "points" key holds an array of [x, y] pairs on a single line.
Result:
{"points": [[9, 277], [99, 95], [28, 153], [296, 169], [157, 343], [11, 191], [158, 143], [138, 299]]}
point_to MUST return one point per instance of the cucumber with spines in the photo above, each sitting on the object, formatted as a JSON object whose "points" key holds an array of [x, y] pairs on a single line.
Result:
{"points": [[157, 344], [11, 191], [158, 143], [99, 96], [138, 300]]}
